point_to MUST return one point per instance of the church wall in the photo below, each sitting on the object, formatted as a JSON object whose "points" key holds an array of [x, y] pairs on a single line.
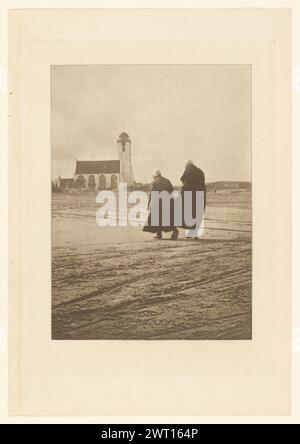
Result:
{"points": [[104, 181], [108, 180]]}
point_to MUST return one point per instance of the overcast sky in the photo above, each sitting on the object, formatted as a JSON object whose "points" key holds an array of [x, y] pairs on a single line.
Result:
{"points": [[171, 112]]}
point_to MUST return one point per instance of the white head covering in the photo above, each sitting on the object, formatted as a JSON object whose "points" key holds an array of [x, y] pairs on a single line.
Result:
{"points": [[156, 173], [188, 162]]}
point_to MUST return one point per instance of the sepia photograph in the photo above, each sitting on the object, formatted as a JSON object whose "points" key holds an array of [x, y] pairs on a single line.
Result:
{"points": [[151, 209], [150, 216]]}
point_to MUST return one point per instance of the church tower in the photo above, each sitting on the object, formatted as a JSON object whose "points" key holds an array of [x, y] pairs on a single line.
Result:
{"points": [[124, 155]]}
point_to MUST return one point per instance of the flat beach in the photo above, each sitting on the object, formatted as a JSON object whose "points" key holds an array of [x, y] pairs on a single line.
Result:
{"points": [[119, 283]]}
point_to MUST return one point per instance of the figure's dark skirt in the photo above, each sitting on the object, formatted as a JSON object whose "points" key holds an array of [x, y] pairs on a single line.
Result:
{"points": [[155, 228], [151, 229]]}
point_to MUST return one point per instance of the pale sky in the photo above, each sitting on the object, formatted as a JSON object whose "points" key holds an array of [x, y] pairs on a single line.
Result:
{"points": [[171, 112]]}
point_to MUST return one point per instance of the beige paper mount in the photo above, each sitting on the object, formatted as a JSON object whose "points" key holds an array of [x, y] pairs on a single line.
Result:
{"points": [[148, 377]]}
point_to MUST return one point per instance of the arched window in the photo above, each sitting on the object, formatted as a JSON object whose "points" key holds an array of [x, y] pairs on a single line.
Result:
{"points": [[102, 182], [92, 182], [114, 182]]}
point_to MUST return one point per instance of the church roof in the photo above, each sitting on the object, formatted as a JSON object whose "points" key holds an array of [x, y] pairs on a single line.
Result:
{"points": [[97, 167]]}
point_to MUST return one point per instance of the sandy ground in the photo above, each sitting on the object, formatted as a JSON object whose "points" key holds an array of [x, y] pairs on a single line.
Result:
{"points": [[119, 283]]}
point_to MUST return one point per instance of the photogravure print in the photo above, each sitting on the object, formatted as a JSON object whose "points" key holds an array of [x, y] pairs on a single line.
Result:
{"points": [[151, 202]]}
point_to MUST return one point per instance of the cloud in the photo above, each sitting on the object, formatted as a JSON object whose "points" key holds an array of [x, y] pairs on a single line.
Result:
{"points": [[170, 111]]}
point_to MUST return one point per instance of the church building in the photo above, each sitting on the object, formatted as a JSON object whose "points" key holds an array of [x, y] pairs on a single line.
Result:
{"points": [[107, 174]]}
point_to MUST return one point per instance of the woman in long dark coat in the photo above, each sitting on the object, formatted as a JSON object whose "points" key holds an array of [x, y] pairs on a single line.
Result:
{"points": [[193, 180], [159, 184]]}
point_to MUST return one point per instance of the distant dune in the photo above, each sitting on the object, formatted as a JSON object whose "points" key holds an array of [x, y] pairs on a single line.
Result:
{"points": [[222, 185], [228, 185]]}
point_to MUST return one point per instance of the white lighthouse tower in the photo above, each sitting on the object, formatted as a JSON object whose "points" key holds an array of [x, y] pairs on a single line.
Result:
{"points": [[124, 155]]}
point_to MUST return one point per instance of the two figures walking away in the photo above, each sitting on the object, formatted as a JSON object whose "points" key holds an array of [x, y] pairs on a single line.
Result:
{"points": [[166, 219]]}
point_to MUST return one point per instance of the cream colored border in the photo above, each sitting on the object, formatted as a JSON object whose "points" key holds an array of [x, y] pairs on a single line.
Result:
{"points": [[53, 378]]}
